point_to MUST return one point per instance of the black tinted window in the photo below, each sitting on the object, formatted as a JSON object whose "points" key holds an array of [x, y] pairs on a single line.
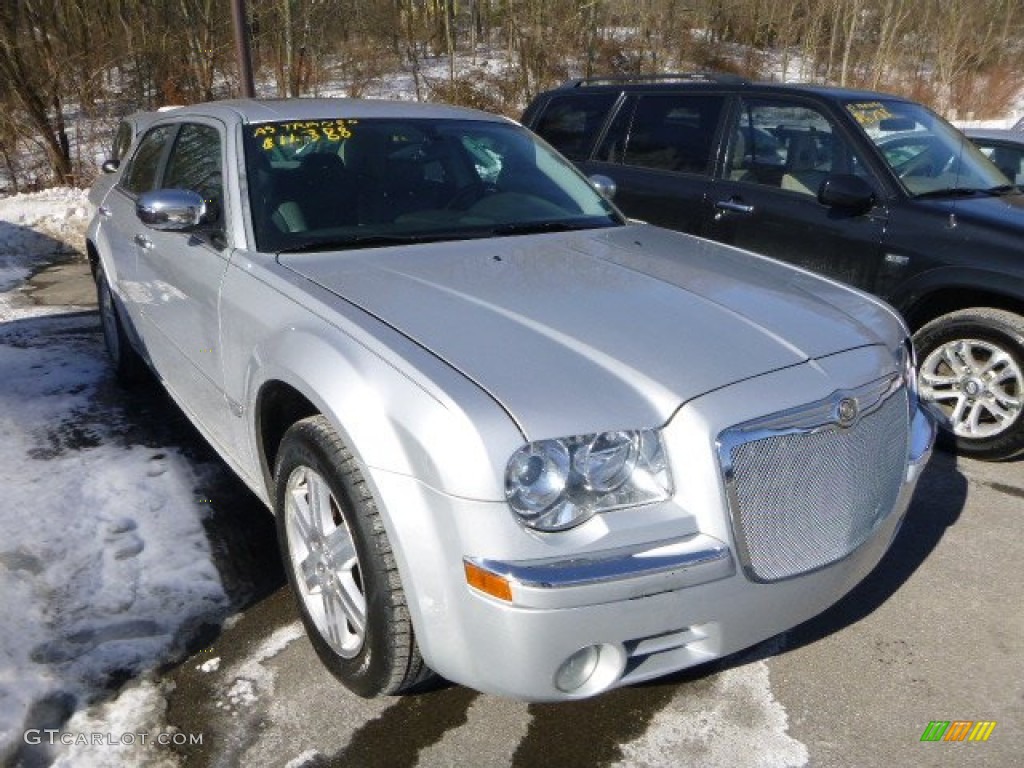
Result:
{"points": [[571, 123], [195, 162], [673, 132], [141, 175]]}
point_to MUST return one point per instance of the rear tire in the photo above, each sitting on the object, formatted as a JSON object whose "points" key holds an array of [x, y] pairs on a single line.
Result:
{"points": [[971, 365], [129, 367], [340, 565]]}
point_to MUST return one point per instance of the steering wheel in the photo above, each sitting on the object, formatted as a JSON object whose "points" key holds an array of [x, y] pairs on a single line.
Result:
{"points": [[469, 194], [920, 164]]}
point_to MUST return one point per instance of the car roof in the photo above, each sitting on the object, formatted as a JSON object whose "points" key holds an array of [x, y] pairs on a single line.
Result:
{"points": [[997, 134], [270, 110], [716, 82]]}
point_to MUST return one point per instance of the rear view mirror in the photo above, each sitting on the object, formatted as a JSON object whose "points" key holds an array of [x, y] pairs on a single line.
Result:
{"points": [[897, 124], [173, 210], [604, 185], [110, 166]]}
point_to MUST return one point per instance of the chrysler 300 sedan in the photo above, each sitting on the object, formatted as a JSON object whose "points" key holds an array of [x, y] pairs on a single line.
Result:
{"points": [[510, 437]]}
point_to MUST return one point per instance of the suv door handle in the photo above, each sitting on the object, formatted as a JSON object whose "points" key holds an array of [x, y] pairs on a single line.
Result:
{"points": [[734, 205], [143, 241]]}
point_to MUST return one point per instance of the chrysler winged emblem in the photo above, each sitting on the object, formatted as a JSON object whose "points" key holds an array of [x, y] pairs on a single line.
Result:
{"points": [[847, 411]]}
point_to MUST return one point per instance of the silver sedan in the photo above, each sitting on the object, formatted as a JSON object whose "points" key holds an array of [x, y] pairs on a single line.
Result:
{"points": [[510, 437]]}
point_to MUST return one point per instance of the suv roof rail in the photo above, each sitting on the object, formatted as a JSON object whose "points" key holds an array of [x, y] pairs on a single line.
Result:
{"points": [[678, 77]]}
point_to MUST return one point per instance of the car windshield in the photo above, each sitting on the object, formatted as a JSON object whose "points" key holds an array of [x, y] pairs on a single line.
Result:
{"points": [[930, 157], [331, 184]]}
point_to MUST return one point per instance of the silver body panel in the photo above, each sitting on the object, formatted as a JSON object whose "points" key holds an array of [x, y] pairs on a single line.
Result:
{"points": [[435, 362]]}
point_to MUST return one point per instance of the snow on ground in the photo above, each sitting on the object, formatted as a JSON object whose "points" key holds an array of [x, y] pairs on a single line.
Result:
{"points": [[105, 569], [34, 228]]}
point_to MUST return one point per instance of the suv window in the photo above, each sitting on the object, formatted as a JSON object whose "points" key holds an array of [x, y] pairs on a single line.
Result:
{"points": [[195, 164], [786, 145], [571, 123], [141, 174], [670, 132]]}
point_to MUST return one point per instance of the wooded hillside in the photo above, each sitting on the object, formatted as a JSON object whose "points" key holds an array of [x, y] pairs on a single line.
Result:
{"points": [[79, 62]]}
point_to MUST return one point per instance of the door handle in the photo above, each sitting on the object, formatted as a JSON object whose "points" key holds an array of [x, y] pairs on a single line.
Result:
{"points": [[143, 241], [734, 205], [104, 212]]}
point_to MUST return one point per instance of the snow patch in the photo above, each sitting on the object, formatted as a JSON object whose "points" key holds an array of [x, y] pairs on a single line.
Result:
{"points": [[738, 725], [104, 566], [209, 666], [125, 731], [250, 679]]}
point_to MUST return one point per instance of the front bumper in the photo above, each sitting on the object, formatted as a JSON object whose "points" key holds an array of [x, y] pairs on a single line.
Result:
{"points": [[647, 610]]}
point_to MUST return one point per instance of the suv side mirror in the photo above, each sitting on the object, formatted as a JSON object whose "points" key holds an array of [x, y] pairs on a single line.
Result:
{"points": [[604, 185], [848, 192], [174, 210], [110, 166]]}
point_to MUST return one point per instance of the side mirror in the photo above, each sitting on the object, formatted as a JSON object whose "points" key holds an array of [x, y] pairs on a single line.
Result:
{"points": [[847, 192], [110, 166], [604, 185], [175, 210]]}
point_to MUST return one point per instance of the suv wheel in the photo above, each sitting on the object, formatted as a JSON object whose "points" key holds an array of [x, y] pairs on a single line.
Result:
{"points": [[972, 367], [340, 565]]}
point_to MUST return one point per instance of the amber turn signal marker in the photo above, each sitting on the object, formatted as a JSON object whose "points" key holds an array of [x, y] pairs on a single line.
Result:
{"points": [[487, 582]]}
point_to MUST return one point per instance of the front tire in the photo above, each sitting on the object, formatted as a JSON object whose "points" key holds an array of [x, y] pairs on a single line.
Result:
{"points": [[971, 365], [340, 564]]}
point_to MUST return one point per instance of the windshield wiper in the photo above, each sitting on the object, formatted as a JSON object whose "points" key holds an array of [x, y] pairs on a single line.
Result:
{"points": [[966, 192], [536, 227], [375, 241]]}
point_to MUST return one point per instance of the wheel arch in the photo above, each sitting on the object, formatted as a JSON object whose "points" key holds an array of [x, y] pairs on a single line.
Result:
{"points": [[278, 406], [944, 291]]}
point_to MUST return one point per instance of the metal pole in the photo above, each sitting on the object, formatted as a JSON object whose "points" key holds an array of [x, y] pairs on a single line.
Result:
{"points": [[242, 50]]}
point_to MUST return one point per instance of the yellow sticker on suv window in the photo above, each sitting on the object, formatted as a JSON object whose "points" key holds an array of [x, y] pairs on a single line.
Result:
{"points": [[869, 112]]}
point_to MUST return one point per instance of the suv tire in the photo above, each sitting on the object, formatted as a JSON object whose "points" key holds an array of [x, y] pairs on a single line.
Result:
{"points": [[971, 365]]}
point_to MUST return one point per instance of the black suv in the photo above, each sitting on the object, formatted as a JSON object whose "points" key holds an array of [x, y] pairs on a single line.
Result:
{"points": [[870, 189]]}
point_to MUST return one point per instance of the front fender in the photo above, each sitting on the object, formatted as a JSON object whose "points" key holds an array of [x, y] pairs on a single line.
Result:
{"points": [[448, 435]]}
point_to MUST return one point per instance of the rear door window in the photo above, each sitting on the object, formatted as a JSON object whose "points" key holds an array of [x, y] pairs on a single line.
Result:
{"points": [[668, 132], [673, 132], [571, 123]]}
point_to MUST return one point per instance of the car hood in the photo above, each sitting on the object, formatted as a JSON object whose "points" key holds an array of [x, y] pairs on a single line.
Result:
{"points": [[602, 329], [1002, 213]]}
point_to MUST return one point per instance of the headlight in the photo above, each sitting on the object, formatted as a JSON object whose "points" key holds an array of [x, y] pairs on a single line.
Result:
{"points": [[552, 485]]}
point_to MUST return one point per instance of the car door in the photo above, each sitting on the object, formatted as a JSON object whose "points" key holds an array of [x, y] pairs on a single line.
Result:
{"points": [[765, 194], [181, 273], [659, 150]]}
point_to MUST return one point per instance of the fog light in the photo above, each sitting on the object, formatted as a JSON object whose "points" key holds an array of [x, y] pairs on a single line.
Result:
{"points": [[577, 669]]}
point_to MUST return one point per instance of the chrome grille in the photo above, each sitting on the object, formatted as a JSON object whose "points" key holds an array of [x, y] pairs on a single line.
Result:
{"points": [[805, 491]]}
